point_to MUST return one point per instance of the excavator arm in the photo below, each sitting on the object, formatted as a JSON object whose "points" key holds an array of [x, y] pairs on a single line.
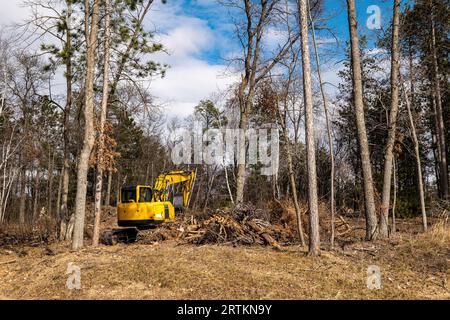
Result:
{"points": [[165, 180]]}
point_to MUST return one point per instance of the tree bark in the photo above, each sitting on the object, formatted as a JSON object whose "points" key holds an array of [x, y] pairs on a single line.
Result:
{"points": [[108, 189], [50, 184], [314, 237], [35, 195], [91, 34], [369, 199], [394, 201], [58, 206], [389, 155], [118, 187], [240, 180]]}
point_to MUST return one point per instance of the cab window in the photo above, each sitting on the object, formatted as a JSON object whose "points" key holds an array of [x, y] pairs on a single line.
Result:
{"points": [[145, 194], [128, 195]]}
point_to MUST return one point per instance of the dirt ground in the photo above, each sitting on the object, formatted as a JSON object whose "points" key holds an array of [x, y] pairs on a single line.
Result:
{"points": [[413, 266]]}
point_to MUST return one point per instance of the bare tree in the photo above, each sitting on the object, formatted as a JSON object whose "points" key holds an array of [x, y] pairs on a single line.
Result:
{"points": [[66, 220], [392, 127], [282, 115], [327, 120], [369, 199], [314, 237], [104, 106], [48, 21], [91, 36], [250, 34], [8, 170], [437, 97], [412, 126]]}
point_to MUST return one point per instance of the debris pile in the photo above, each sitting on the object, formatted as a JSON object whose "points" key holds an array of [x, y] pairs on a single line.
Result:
{"points": [[243, 225]]}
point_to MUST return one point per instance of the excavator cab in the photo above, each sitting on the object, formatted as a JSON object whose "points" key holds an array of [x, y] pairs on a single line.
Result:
{"points": [[143, 206]]}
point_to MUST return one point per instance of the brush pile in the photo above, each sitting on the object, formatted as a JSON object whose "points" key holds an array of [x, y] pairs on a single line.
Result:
{"points": [[243, 225]]}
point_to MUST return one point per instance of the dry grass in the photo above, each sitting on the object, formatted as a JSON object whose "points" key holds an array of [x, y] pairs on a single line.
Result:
{"points": [[439, 233], [412, 267]]}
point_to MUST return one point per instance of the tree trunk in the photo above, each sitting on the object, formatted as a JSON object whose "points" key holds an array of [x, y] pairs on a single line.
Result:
{"points": [[438, 101], [394, 201], [227, 180], [91, 34], [64, 212], [314, 237], [330, 139], [209, 184], [99, 182], [389, 156], [418, 161], [118, 186], [50, 184], [298, 212], [35, 195], [437, 146], [369, 199], [23, 196], [240, 180], [108, 189], [58, 208]]}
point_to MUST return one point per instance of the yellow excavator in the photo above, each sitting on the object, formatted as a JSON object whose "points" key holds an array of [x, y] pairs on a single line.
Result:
{"points": [[144, 206]]}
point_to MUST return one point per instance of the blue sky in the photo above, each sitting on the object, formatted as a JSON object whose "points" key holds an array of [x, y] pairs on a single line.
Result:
{"points": [[334, 11], [193, 20], [199, 34]]}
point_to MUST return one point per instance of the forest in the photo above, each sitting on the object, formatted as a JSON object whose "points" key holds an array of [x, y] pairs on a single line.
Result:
{"points": [[355, 106]]}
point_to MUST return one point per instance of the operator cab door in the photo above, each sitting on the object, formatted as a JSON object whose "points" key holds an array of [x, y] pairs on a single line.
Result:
{"points": [[128, 199], [128, 195], [145, 194]]}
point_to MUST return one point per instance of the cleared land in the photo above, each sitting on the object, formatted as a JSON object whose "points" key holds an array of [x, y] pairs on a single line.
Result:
{"points": [[413, 266]]}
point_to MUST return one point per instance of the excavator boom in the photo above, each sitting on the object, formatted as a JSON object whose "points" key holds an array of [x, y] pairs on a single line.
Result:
{"points": [[165, 180]]}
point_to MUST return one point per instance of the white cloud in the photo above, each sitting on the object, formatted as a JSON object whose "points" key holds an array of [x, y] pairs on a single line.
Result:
{"points": [[187, 40], [187, 83], [191, 77]]}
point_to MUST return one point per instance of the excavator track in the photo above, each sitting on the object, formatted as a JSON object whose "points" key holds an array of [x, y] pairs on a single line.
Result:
{"points": [[115, 236]]}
